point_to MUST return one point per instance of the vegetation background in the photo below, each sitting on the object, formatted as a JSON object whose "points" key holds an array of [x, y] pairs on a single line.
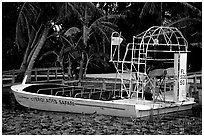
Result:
{"points": [[29, 39]]}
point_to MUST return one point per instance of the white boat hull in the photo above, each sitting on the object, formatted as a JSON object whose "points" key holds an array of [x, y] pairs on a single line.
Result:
{"points": [[122, 107]]}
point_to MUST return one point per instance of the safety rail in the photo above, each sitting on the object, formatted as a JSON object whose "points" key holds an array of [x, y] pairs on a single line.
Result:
{"points": [[56, 91], [97, 95], [76, 91], [91, 90]]}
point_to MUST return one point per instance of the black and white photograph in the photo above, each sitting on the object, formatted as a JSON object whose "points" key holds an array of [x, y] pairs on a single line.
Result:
{"points": [[101, 68]]}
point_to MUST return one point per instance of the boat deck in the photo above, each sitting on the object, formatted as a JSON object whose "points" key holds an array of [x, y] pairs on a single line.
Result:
{"points": [[142, 104], [109, 75]]}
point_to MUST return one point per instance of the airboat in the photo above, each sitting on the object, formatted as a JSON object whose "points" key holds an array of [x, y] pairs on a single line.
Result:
{"points": [[151, 74]]}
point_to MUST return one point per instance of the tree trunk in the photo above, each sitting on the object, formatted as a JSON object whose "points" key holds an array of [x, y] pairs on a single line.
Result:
{"points": [[20, 75], [85, 70], [81, 67], [36, 53], [85, 39], [87, 63], [23, 66], [69, 68]]}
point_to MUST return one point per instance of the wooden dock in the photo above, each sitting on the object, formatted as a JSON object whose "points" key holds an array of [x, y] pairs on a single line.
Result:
{"points": [[195, 85], [38, 75]]}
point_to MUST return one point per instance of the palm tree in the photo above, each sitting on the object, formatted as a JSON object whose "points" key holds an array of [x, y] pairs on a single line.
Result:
{"points": [[184, 16], [93, 25], [33, 29], [31, 34], [191, 20], [68, 51]]}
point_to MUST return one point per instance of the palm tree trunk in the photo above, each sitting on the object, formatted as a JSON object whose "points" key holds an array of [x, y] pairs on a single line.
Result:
{"points": [[36, 53], [23, 66], [81, 66], [85, 38], [87, 63], [69, 68]]}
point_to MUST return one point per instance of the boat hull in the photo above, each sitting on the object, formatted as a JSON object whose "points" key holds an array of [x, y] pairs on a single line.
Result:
{"points": [[74, 105], [123, 107]]}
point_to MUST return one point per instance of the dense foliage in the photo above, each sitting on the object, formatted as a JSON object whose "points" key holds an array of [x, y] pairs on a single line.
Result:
{"points": [[138, 17]]}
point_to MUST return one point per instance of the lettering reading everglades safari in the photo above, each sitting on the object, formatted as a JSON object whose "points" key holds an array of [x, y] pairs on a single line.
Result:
{"points": [[51, 100]]}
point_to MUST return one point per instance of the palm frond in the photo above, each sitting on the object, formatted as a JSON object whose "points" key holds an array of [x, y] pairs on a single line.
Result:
{"points": [[92, 10], [96, 41], [71, 9], [48, 53], [108, 30], [109, 18], [87, 7], [185, 20], [144, 9], [64, 38], [101, 32], [72, 31], [109, 24], [26, 22], [193, 8], [198, 44], [103, 26], [36, 37]]}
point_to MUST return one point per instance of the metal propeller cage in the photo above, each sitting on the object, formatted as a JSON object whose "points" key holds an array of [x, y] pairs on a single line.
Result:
{"points": [[151, 49]]}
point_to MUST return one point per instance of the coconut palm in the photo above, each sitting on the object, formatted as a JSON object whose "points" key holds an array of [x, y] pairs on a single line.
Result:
{"points": [[190, 23], [182, 15], [33, 29], [68, 51], [34, 26], [31, 34], [93, 26]]}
